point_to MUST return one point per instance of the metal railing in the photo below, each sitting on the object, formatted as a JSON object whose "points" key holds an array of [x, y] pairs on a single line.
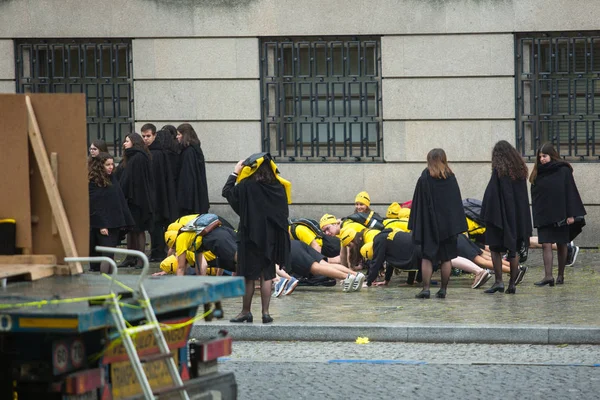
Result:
{"points": [[321, 98], [557, 83]]}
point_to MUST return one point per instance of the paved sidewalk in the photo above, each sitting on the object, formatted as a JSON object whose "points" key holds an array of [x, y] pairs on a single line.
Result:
{"points": [[561, 314]]}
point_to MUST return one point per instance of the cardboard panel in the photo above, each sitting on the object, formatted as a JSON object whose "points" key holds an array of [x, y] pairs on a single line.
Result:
{"points": [[62, 122], [14, 166]]}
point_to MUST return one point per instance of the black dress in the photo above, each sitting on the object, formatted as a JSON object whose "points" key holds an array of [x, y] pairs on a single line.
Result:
{"points": [[108, 210], [192, 189], [437, 216], [505, 212], [263, 238], [137, 184], [555, 198]]}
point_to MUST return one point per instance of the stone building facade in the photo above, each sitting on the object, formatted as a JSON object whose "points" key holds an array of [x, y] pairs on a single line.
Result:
{"points": [[350, 95]]}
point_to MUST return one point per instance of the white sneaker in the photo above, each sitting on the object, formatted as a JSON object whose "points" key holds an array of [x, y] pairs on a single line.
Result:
{"points": [[358, 282], [348, 282]]}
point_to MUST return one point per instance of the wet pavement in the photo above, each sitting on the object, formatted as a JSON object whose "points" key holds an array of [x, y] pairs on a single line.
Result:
{"points": [[573, 304]]}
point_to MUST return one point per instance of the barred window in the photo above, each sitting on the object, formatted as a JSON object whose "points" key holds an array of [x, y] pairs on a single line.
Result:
{"points": [[321, 98], [99, 68], [557, 84]]}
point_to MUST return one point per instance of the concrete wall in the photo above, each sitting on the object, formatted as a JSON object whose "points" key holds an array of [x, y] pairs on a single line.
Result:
{"points": [[447, 66]]}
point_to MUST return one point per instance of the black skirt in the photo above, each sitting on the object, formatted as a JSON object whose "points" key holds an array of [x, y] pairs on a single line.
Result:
{"points": [[253, 264], [447, 250], [303, 257], [466, 248], [553, 234]]}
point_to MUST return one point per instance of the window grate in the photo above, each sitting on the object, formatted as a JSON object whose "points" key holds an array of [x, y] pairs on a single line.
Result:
{"points": [[321, 98], [558, 93], [99, 68]]}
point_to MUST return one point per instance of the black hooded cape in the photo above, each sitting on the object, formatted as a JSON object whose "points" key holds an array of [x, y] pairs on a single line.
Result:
{"points": [[108, 207], [192, 189], [263, 211], [505, 206], [164, 185], [137, 184], [554, 197], [400, 253], [436, 213]]}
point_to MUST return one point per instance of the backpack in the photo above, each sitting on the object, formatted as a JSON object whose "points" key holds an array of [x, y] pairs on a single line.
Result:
{"points": [[370, 220], [472, 209], [202, 225], [309, 223]]}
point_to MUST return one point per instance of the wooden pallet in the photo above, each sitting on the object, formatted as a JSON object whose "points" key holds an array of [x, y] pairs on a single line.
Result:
{"points": [[30, 267]]}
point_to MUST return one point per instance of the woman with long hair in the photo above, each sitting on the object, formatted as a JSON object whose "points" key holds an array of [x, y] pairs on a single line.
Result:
{"points": [[98, 146], [136, 180], [109, 213], [261, 199], [505, 211], [192, 189], [557, 209], [436, 218]]}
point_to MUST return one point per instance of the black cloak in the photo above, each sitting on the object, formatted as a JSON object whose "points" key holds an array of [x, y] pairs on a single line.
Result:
{"points": [[263, 211], [436, 213], [108, 207], [554, 197], [505, 206], [400, 252], [164, 185], [137, 184], [192, 189]]}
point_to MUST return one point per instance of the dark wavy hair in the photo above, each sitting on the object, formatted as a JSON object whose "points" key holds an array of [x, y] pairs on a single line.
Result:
{"points": [[96, 171], [138, 143], [189, 135], [507, 161], [354, 256], [547, 148], [264, 174]]}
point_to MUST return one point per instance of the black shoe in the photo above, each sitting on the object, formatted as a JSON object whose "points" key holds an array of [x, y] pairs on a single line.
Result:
{"points": [[267, 319], [544, 282], [127, 262], [560, 280], [423, 294], [156, 259], [522, 270], [242, 318], [512, 289], [496, 287], [441, 294]]}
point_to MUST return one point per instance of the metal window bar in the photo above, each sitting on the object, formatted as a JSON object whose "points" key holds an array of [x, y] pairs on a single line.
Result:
{"points": [[321, 98], [99, 68], [557, 83]]}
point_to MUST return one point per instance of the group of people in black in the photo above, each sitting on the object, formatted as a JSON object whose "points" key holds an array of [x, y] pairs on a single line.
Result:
{"points": [[272, 250], [161, 176]]}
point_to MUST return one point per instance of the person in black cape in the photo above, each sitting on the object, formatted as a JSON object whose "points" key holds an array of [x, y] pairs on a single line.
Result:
{"points": [[436, 218], [192, 189], [135, 177], [109, 213], [164, 191], [167, 136], [261, 199], [558, 212], [505, 212]]}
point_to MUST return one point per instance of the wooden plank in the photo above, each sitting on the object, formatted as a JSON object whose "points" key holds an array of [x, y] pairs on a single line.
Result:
{"points": [[28, 259], [54, 164], [56, 204], [29, 272], [15, 201]]}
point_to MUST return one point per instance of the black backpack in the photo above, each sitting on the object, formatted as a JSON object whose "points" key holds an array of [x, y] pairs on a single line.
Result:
{"points": [[371, 220], [309, 223], [472, 209]]}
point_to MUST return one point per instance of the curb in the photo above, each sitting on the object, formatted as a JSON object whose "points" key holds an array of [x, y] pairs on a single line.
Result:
{"points": [[500, 334]]}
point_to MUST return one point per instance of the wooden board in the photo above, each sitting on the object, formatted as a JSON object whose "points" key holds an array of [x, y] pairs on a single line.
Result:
{"points": [[28, 272], [28, 259], [62, 123], [14, 167]]}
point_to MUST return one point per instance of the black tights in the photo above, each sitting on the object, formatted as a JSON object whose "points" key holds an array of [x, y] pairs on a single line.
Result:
{"points": [[265, 295], [514, 268], [561, 253], [137, 241], [427, 271]]}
